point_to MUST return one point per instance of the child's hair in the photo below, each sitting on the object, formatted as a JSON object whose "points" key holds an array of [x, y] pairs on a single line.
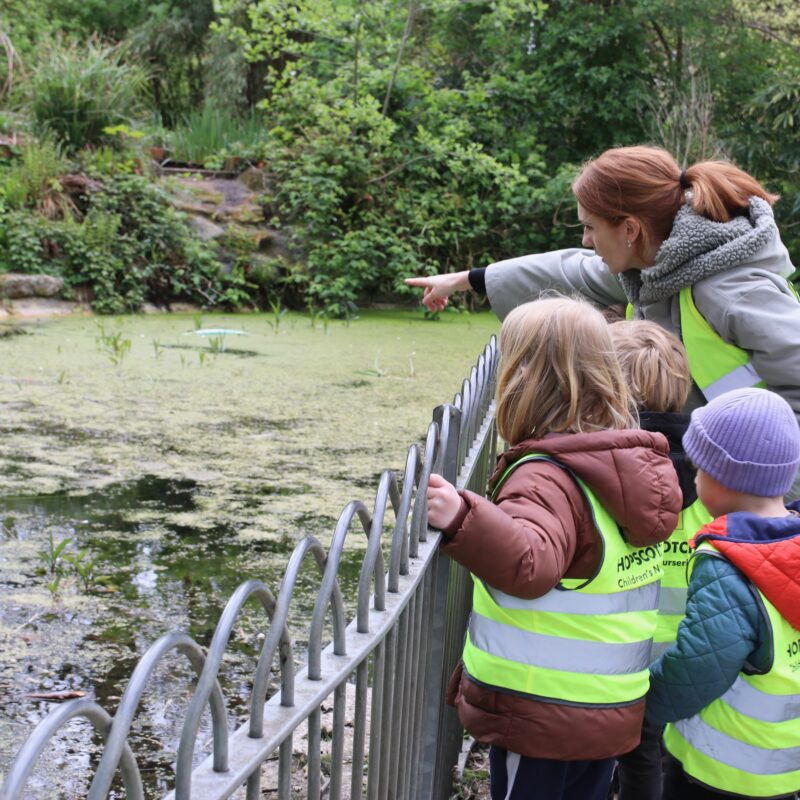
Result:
{"points": [[559, 372], [654, 362]]}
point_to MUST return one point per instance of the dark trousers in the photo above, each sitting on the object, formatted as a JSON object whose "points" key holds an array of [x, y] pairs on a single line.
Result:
{"points": [[640, 774], [679, 786], [516, 777]]}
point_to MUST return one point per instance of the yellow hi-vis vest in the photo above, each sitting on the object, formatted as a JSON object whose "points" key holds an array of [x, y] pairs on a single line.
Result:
{"points": [[716, 365], [585, 642], [674, 582], [747, 742]]}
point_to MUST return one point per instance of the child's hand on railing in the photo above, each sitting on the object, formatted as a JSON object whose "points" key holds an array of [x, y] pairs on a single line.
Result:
{"points": [[444, 502]]}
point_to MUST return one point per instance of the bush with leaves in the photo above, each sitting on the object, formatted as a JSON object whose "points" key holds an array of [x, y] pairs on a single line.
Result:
{"points": [[34, 180], [78, 90], [371, 202], [129, 247]]}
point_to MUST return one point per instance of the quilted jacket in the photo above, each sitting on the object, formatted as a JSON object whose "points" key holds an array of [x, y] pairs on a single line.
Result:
{"points": [[726, 630]]}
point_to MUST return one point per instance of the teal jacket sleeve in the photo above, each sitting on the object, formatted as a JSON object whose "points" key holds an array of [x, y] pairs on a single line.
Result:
{"points": [[722, 633]]}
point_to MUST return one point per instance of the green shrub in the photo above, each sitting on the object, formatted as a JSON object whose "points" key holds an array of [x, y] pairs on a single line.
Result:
{"points": [[22, 243], [76, 91], [33, 181], [130, 247], [209, 135], [371, 202]]}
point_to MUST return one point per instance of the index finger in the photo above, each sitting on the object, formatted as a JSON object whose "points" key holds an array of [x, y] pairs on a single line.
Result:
{"points": [[417, 281]]}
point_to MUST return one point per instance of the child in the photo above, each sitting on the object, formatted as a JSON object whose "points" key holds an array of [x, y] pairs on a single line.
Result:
{"points": [[730, 686], [565, 561], [655, 366]]}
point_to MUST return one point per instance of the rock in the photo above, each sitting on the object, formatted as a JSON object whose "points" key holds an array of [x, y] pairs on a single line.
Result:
{"points": [[14, 285], [205, 228], [191, 207], [254, 179], [79, 184], [246, 239], [33, 307], [247, 214]]}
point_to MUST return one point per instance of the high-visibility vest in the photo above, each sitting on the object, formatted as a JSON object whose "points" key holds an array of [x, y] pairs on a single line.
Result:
{"points": [[585, 642], [716, 366], [674, 582], [747, 742]]}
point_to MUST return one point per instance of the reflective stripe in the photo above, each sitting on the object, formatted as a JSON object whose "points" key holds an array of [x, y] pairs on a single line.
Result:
{"points": [[753, 703], [659, 648], [553, 652], [643, 598], [672, 601], [512, 765], [739, 378], [734, 753]]}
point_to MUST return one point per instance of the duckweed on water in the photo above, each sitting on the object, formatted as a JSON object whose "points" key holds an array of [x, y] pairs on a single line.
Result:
{"points": [[183, 477]]}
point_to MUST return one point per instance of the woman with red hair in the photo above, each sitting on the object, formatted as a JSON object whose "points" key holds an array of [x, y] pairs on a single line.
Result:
{"points": [[695, 250]]}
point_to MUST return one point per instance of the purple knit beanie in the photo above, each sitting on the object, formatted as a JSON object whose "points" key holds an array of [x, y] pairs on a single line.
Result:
{"points": [[748, 440]]}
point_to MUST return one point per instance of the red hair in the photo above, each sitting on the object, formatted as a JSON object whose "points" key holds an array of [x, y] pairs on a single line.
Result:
{"points": [[647, 183]]}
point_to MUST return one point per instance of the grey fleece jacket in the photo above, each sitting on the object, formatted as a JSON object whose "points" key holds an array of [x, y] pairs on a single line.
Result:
{"points": [[740, 289]]}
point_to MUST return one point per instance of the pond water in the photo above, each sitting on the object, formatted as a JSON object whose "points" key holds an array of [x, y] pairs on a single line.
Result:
{"points": [[179, 463]]}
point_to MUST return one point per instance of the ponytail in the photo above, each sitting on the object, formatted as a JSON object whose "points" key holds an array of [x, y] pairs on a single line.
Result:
{"points": [[720, 189]]}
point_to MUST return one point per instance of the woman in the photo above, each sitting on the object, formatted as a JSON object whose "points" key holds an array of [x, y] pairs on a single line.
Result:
{"points": [[696, 251]]}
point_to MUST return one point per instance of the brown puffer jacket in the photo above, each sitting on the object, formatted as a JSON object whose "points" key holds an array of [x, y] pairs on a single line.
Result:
{"points": [[539, 530]]}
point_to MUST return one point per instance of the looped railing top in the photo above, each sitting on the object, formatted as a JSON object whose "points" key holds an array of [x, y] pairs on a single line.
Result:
{"points": [[402, 639]]}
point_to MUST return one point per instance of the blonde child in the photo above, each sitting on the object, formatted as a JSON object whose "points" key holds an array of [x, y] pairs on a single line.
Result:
{"points": [[565, 561], [730, 686], [655, 366]]}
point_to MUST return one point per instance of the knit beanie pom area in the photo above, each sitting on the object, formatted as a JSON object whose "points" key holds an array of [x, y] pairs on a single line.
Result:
{"points": [[748, 440]]}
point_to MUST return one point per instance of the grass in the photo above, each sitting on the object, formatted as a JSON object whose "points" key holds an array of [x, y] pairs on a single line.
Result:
{"points": [[209, 133]]}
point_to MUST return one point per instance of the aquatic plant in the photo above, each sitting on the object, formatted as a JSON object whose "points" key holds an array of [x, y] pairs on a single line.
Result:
{"points": [[216, 344], [52, 558], [114, 345], [84, 566], [278, 312]]}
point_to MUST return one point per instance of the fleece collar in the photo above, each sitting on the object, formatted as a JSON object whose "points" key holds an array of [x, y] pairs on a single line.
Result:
{"points": [[698, 247], [766, 550]]}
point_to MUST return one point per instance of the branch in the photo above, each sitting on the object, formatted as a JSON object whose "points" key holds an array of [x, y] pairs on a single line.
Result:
{"points": [[406, 36], [663, 39], [767, 31], [399, 168]]}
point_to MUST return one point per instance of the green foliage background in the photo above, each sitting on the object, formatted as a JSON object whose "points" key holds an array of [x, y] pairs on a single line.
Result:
{"points": [[396, 137]]}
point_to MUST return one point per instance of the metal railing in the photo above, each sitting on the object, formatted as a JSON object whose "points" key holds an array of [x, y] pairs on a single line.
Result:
{"points": [[386, 669]]}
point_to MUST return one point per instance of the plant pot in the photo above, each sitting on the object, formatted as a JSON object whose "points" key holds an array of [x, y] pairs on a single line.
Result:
{"points": [[231, 163], [158, 153]]}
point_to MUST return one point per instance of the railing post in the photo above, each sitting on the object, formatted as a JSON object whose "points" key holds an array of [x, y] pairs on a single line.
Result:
{"points": [[441, 731]]}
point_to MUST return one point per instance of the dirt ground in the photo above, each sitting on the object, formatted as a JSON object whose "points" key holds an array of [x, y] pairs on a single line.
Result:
{"points": [[473, 781]]}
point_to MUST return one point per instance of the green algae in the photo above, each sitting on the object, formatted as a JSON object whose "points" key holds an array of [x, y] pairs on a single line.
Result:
{"points": [[186, 468]]}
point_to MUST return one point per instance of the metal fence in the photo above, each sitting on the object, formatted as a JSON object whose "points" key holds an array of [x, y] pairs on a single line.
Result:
{"points": [[387, 732]]}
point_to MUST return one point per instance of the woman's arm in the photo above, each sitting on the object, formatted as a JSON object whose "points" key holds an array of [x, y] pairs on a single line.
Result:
{"points": [[574, 271], [515, 281]]}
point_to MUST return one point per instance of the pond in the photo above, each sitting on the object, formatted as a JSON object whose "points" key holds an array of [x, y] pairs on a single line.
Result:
{"points": [[173, 457]]}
